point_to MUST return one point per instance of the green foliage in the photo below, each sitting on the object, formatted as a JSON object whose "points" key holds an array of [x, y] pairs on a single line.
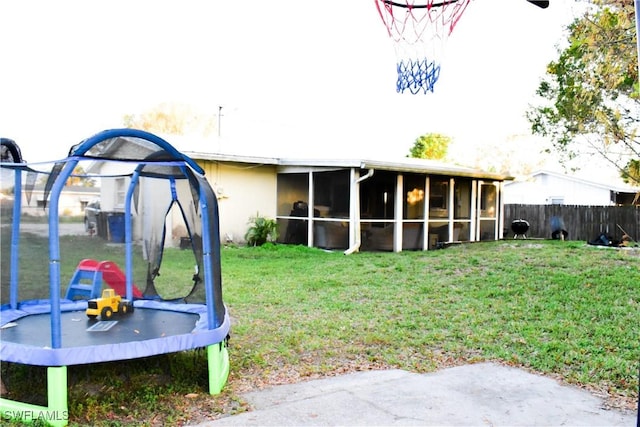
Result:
{"points": [[631, 172], [565, 309], [430, 146], [261, 231], [562, 308], [591, 91], [79, 178]]}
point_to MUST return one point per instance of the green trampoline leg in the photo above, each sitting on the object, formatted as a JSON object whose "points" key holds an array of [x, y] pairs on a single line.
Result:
{"points": [[57, 395], [55, 413], [218, 363]]}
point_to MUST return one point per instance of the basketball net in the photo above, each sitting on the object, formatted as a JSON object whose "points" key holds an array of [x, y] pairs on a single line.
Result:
{"points": [[419, 30]]}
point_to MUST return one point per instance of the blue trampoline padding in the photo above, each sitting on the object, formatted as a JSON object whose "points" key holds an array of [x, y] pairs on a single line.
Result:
{"points": [[154, 328]]}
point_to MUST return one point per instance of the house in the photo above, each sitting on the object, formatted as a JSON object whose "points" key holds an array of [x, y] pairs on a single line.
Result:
{"points": [[337, 204], [349, 205], [552, 188], [77, 193], [72, 202]]}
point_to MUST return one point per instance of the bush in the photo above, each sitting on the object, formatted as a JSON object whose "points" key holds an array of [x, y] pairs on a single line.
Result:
{"points": [[261, 231]]}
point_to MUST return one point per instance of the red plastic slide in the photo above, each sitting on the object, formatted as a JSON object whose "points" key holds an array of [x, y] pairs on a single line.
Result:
{"points": [[115, 278]]}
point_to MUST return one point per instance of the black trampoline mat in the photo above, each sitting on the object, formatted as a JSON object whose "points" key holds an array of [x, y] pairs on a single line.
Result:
{"points": [[143, 324]]}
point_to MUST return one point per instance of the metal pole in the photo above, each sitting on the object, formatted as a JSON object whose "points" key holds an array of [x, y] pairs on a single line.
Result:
{"points": [[219, 116], [637, 8]]}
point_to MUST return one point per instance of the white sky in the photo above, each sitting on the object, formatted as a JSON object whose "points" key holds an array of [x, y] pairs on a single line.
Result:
{"points": [[294, 77]]}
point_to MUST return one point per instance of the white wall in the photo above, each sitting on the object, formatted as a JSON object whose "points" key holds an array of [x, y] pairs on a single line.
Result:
{"points": [[70, 202], [243, 191], [543, 189]]}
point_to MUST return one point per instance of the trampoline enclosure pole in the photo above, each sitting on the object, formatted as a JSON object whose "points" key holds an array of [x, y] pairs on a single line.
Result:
{"points": [[15, 240]]}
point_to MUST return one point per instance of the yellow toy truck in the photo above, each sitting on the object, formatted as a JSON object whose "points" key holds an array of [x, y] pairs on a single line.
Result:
{"points": [[109, 303]]}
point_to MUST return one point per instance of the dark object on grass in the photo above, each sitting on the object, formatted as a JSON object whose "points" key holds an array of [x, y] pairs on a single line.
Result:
{"points": [[558, 230], [602, 240], [605, 240], [519, 228]]}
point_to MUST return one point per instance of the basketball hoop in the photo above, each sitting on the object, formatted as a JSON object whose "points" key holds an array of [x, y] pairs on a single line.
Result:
{"points": [[419, 30]]}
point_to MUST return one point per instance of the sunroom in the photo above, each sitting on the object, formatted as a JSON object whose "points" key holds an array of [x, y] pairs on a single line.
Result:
{"points": [[362, 205]]}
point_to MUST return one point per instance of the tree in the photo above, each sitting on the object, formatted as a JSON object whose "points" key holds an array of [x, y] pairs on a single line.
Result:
{"points": [[430, 146], [590, 93], [172, 119], [79, 178]]}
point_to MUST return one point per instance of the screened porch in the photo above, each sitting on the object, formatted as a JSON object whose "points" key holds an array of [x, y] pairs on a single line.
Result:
{"points": [[375, 209]]}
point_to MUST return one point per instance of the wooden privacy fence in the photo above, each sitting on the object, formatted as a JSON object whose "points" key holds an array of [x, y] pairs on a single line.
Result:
{"points": [[581, 222]]}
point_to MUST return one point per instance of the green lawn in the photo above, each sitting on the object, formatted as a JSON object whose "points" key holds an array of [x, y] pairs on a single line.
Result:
{"points": [[564, 309]]}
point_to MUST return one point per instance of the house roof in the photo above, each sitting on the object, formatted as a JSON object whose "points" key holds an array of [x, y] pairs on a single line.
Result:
{"points": [[224, 150], [403, 165], [606, 186], [232, 158]]}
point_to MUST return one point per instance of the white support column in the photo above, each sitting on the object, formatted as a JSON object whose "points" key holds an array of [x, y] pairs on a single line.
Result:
{"points": [[397, 215], [354, 208], [501, 219], [425, 222], [452, 183], [310, 212], [475, 221], [499, 210], [479, 210], [496, 222]]}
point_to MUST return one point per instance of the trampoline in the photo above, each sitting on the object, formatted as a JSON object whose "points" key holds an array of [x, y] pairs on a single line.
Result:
{"points": [[155, 183]]}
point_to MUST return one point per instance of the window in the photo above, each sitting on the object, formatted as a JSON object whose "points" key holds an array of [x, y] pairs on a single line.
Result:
{"points": [[556, 200], [293, 201], [292, 189], [488, 199], [377, 196], [462, 199], [439, 198], [414, 196], [120, 193], [331, 194]]}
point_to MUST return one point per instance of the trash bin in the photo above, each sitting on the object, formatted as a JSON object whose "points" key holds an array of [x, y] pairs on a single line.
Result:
{"points": [[116, 227], [558, 230], [102, 225], [185, 242]]}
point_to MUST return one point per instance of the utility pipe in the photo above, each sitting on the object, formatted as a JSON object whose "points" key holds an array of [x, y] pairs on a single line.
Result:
{"points": [[356, 211]]}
